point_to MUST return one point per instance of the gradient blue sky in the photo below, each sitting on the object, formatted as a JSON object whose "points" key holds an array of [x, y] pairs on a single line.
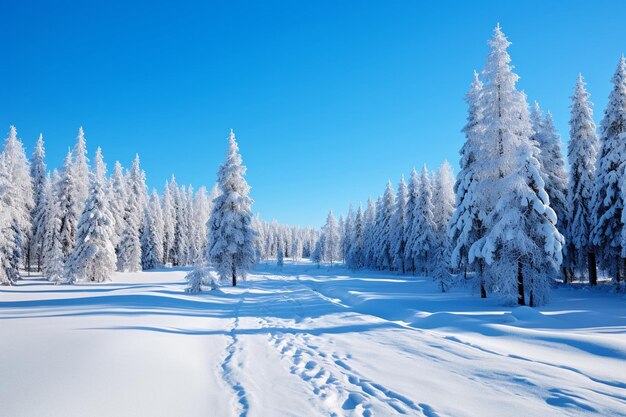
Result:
{"points": [[328, 99]]}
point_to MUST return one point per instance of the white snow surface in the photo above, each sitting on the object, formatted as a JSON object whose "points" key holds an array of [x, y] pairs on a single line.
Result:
{"points": [[305, 341]]}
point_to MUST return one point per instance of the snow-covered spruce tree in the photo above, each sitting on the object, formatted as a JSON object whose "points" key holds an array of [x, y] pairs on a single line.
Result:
{"points": [[443, 208], [522, 247], [369, 236], [356, 255], [397, 237], [466, 225], [425, 228], [17, 200], [68, 207], [413, 191], [581, 153], [93, 258], [608, 202], [81, 169], [169, 222], [231, 236], [129, 248], [331, 248], [178, 237], [39, 177], [53, 259], [346, 234], [152, 234], [201, 214], [117, 201], [280, 252], [384, 212]]}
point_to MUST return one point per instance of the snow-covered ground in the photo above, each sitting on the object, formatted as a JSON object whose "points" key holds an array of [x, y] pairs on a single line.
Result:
{"points": [[303, 341]]}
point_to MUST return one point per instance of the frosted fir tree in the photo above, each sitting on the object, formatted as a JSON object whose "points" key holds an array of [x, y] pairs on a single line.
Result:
{"points": [[582, 151], [201, 213], [413, 190], [356, 255], [231, 237], [152, 234], [94, 258], [331, 248], [443, 208], [53, 259], [555, 175], [608, 202], [117, 201], [522, 247], [18, 195], [177, 242], [169, 223], [425, 228], [129, 248], [369, 236], [39, 176], [384, 212], [466, 225], [69, 207], [80, 169], [397, 237], [280, 253], [346, 234]]}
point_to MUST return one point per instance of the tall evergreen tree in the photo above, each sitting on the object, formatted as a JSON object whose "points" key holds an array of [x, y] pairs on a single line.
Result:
{"points": [[413, 191], [69, 207], [39, 176], [93, 258], [129, 259], [608, 200], [80, 168], [152, 234], [117, 201], [231, 236], [424, 246], [397, 228], [331, 247], [581, 153], [169, 223], [466, 225], [522, 246]]}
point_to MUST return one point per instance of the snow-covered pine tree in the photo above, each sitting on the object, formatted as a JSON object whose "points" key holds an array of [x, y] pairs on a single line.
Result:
{"points": [[17, 200], [443, 208], [397, 236], [346, 234], [384, 212], [466, 225], [369, 234], [152, 234], [280, 252], [169, 223], [53, 259], [117, 201], [356, 255], [608, 200], [424, 228], [129, 259], [582, 151], [522, 246], [201, 214], [331, 249], [93, 258], [68, 207], [177, 213], [413, 190], [39, 177], [231, 236], [80, 169]]}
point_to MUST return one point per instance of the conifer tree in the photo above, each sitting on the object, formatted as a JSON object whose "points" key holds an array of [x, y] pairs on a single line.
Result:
{"points": [[93, 258], [522, 246], [38, 173], [331, 248], [152, 234], [413, 190], [608, 199], [581, 153], [80, 168], [129, 259], [397, 228], [424, 246], [231, 236], [117, 198], [69, 207]]}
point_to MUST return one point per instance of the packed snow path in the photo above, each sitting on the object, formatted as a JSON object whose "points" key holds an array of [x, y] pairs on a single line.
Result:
{"points": [[303, 341]]}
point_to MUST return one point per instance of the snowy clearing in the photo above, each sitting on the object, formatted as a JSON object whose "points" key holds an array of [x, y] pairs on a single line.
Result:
{"points": [[303, 341]]}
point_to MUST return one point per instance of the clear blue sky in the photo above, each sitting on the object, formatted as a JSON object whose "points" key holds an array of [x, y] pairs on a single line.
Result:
{"points": [[328, 99]]}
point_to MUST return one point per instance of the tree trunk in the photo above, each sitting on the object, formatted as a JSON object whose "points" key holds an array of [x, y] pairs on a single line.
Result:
{"points": [[593, 271], [234, 275], [483, 291], [520, 284]]}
